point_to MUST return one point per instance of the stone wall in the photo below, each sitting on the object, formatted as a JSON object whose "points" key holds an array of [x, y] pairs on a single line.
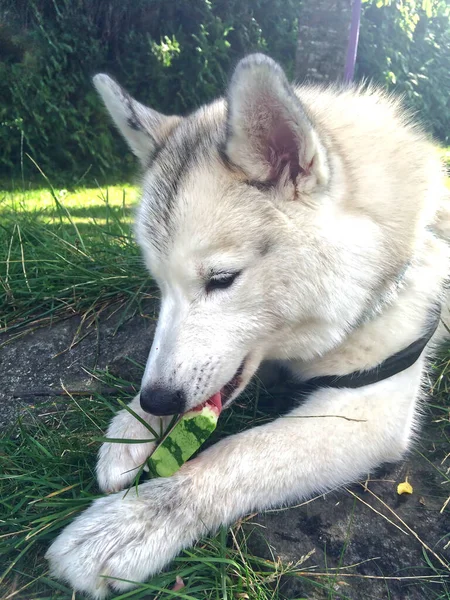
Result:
{"points": [[324, 27]]}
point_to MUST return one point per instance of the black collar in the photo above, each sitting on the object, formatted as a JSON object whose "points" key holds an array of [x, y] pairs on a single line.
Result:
{"points": [[391, 366]]}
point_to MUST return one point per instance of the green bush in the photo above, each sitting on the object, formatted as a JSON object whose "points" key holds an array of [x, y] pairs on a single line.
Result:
{"points": [[171, 54], [175, 55], [405, 46]]}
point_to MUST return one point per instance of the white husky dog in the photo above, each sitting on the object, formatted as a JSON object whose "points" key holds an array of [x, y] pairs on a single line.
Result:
{"points": [[302, 225]]}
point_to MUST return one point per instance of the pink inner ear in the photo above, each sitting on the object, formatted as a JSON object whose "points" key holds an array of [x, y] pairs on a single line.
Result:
{"points": [[283, 150]]}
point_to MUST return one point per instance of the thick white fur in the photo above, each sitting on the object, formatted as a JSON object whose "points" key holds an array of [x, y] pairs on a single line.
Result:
{"points": [[336, 250]]}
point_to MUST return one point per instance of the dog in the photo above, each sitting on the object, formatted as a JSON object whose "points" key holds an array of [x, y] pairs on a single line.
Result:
{"points": [[306, 226]]}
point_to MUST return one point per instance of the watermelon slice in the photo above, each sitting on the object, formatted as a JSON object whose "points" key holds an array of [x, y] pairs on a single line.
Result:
{"points": [[186, 437]]}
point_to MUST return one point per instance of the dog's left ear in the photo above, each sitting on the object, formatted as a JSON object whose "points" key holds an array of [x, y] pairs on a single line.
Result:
{"points": [[143, 128], [269, 135]]}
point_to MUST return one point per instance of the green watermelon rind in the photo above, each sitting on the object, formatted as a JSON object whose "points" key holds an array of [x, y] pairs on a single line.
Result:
{"points": [[184, 440]]}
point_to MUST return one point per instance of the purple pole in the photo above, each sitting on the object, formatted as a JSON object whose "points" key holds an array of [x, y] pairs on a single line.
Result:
{"points": [[353, 41]]}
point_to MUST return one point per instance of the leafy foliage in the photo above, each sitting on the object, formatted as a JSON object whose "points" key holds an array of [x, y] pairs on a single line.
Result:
{"points": [[173, 55], [406, 47]]}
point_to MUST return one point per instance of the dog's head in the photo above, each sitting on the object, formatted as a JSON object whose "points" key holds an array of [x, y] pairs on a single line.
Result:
{"points": [[239, 227]]}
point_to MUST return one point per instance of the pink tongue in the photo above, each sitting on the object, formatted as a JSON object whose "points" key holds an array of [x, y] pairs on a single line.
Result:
{"points": [[216, 402]]}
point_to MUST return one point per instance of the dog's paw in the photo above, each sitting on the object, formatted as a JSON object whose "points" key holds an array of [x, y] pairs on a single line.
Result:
{"points": [[125, 537], [118, 464]]}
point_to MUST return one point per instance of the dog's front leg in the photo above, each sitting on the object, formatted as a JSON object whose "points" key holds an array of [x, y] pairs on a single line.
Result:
{"points": [[118, 464], [335, 437]]}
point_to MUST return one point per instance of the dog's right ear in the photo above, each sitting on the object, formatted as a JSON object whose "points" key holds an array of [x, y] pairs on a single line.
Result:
{"points": [[269, 135], [143, 128]]}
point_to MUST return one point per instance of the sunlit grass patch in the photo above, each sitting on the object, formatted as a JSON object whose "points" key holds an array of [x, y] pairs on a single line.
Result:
{"points": [[445, 154], [67, 253], [93, 206], [81, 198]]}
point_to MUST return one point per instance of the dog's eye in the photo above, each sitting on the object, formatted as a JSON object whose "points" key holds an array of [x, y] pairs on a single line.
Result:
{"points": [[220, 281]]}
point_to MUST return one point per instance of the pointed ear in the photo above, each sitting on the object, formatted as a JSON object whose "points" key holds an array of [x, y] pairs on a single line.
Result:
{"points": [[143, 128], [269, 135]]}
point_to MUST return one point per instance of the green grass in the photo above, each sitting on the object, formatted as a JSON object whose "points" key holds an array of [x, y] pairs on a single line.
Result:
{"points": [[68, 253], [445, 156], [65, 253]]}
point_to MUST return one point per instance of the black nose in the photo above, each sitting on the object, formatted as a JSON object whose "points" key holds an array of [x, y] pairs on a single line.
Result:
{"points": [[161, 402]]}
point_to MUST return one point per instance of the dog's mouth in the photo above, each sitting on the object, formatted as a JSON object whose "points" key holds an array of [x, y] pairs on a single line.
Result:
{"points": [[220, 398]]}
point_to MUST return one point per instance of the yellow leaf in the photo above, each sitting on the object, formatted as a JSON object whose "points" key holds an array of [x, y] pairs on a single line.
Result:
{"points": [[404, 488]]}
